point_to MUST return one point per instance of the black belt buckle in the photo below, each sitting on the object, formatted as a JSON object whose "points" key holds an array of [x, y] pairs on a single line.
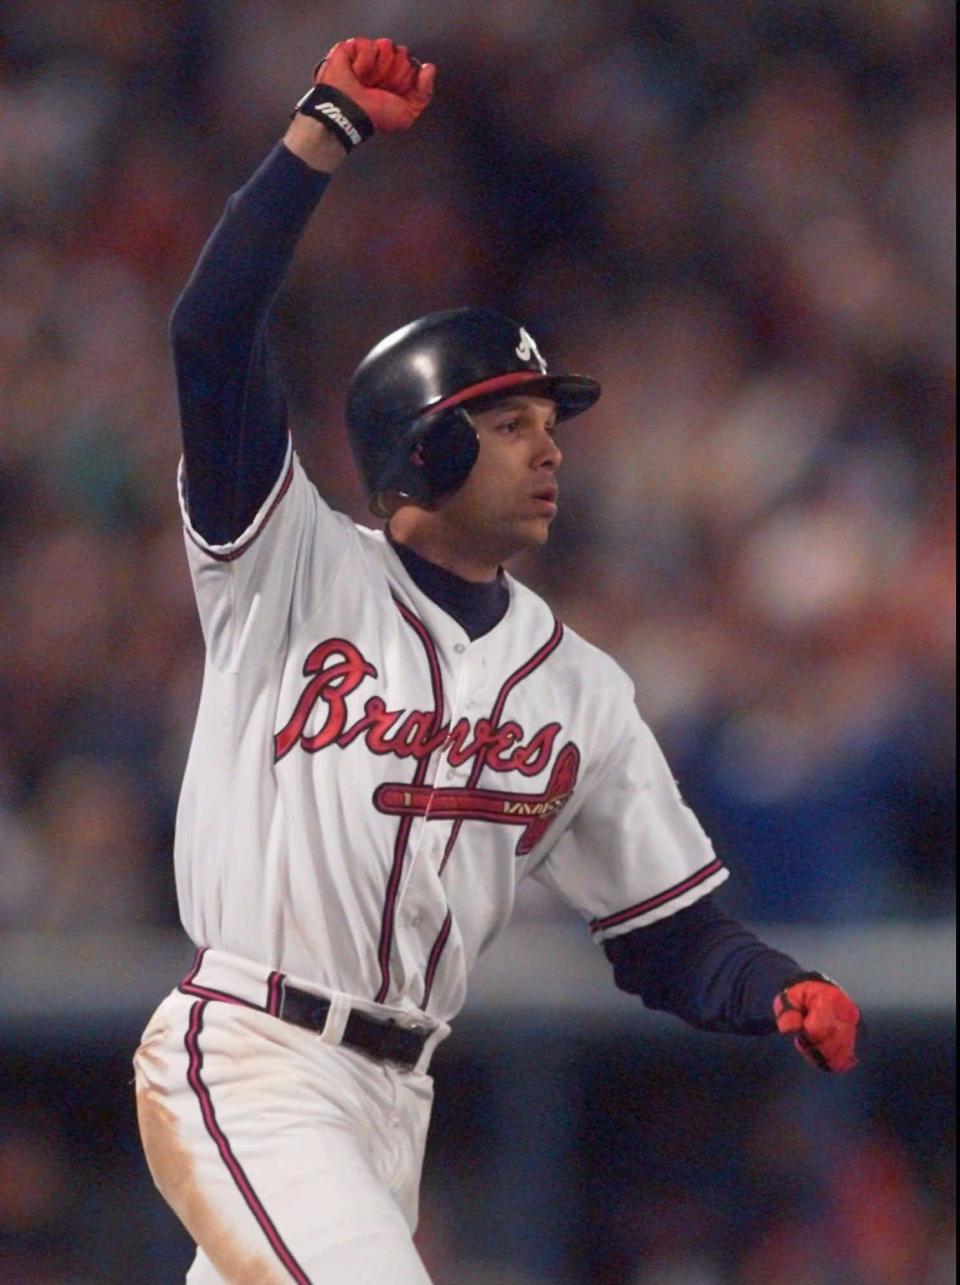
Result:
{"points": [[403, 1044], [385, 1041]]}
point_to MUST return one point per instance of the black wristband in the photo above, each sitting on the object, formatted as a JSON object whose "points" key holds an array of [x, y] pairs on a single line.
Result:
{"points": [[809, 976], [349, 123]]}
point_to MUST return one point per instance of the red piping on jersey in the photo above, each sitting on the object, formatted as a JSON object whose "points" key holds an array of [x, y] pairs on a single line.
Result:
{"points": [[434, 959], [641, 908], [236, 551], [525, 670], [242, 1182], [403, 832]]}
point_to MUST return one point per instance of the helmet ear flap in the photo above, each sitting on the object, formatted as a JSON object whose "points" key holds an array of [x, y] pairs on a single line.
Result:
{"points": [[433, 458], [446, 451]]}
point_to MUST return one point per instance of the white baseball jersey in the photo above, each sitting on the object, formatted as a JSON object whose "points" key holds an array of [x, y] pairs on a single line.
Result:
{"points": [[366, 785]]}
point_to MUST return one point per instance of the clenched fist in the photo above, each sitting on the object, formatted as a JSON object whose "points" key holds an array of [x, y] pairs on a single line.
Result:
{"points": [[381, 78], [823, 1020]]}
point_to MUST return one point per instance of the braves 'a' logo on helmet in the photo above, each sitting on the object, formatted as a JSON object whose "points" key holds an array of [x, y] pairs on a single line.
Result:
{"points": [[527, 348]]}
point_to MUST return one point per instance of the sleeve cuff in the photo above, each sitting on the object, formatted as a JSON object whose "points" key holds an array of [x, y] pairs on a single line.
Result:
{"points": [[665, 903], [235, 548]]}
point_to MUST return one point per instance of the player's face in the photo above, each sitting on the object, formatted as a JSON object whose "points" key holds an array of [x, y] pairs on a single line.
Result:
{"points": [[510, 498]]}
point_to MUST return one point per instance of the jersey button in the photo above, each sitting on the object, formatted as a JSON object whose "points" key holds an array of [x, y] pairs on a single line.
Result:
{"points": [[459, 648]]}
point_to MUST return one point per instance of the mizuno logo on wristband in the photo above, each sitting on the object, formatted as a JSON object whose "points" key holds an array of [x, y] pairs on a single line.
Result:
{"points": [[335, 115]]}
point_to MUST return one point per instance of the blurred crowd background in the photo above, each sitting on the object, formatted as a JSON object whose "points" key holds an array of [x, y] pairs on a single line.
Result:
{"points": [[740, 217]]}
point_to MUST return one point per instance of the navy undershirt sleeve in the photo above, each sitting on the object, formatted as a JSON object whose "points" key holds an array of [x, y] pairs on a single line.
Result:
{"points": [[705, 968], [232, 409]]}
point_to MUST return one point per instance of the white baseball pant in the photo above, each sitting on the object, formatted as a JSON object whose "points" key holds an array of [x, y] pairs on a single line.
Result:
{"points": [[287, 1156]]}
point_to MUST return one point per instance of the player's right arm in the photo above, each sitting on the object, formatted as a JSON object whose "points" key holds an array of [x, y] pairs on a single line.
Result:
{"points": [[232, 408]]}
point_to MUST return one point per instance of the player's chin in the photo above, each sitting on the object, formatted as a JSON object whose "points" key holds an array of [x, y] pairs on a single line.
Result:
{"points": [[532, 532]]}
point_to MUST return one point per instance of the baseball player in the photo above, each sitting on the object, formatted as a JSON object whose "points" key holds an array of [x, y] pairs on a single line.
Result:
{"points": [[392, 733]]}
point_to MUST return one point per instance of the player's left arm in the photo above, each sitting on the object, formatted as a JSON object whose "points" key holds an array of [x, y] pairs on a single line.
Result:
{"points": [[635, 861], [707, 969]]}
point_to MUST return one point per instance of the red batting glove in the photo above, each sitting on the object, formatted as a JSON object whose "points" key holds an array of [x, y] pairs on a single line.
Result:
{"points": [[823, 1019], [392, 87]]}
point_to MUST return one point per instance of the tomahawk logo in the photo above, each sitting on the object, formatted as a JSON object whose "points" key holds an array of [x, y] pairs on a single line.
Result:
{"points": [[534, 812], [527, 348]]}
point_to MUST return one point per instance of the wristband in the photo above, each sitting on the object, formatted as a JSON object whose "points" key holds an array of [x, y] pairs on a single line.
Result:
{"points": [[808, 977], [348, 123]]}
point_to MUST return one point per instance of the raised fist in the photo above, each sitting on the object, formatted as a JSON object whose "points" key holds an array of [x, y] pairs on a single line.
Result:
{"points": [[822, 1018], [392, 87]]}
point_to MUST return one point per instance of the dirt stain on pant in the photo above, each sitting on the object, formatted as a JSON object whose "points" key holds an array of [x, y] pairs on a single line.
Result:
{"points": [[174, 1172]]}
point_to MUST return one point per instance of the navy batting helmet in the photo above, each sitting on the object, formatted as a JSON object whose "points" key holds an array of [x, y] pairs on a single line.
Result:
{"points": [[405, 416]]}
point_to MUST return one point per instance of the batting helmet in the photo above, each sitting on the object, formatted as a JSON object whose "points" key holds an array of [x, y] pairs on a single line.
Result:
{"points": [[405, 405]]}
